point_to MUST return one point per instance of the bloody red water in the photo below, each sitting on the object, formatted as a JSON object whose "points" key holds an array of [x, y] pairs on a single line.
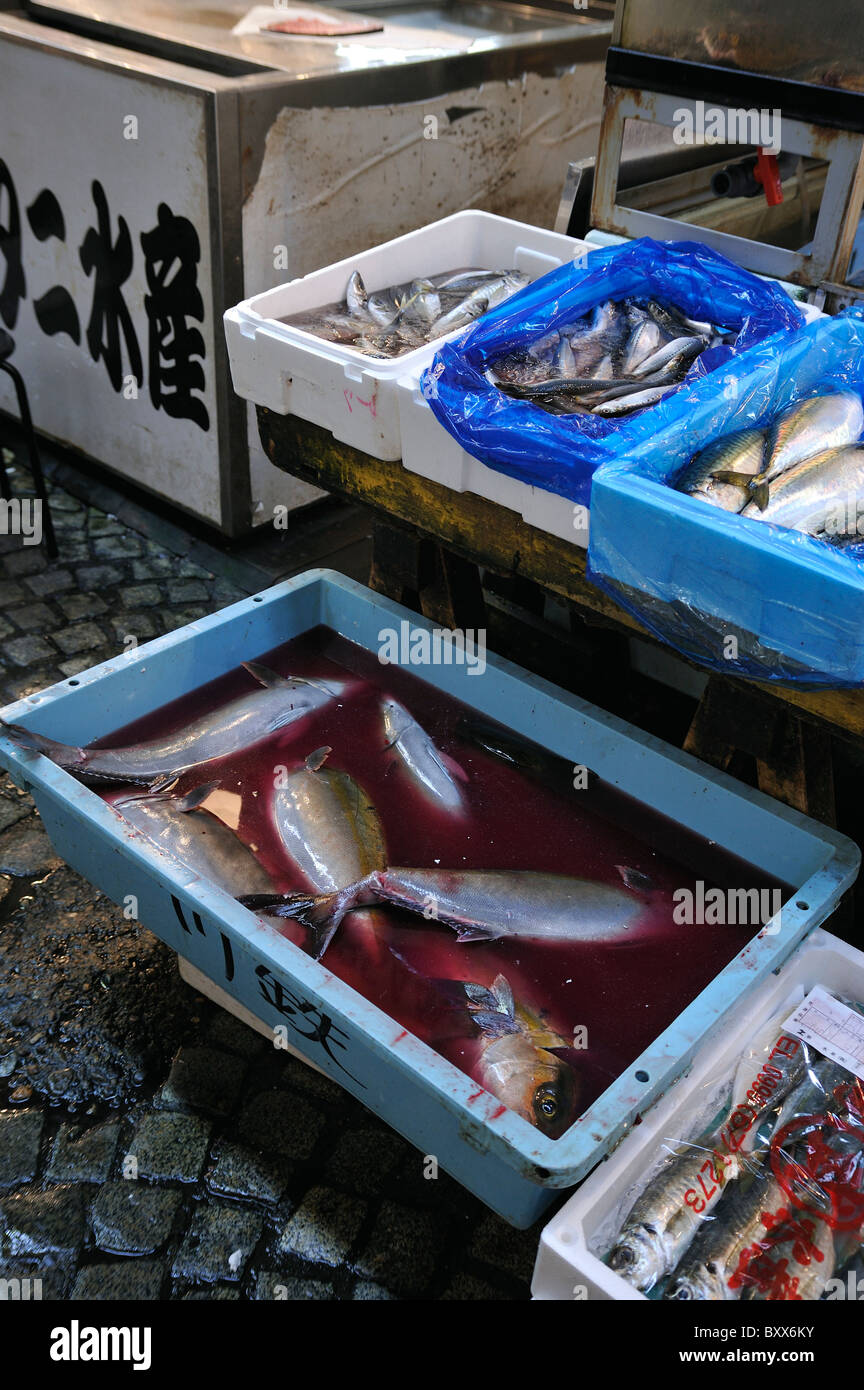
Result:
{"points": [[624, 994]]}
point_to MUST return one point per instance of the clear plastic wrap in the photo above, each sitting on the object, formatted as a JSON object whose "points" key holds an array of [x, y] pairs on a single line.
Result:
{"points": [[562, 452], [763, 1198], [740, 594]]}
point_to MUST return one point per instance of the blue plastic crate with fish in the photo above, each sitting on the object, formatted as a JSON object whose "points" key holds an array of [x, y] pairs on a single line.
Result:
{"points": [[513, 1165], [735, 593], [561, 451]]}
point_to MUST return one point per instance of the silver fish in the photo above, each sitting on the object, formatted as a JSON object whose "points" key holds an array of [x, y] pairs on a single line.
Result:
{"points": [[634, 400], [329, 829], [643, 344], [794, 1261], [470, 308], [741, 454], [355, 296], [231, 728], [179, 826], [663, 1222], [812, 496], [481, 904], [679, 351], [819, 423], [421, 758], [713, 1257]]}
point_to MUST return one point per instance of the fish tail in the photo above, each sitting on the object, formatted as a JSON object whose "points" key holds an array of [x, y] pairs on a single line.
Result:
{"points": [[739, 480], [760, 493], [322, 913], [66, 755]]}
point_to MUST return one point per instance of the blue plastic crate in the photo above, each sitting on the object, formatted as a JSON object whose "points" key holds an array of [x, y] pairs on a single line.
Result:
{"points": [[695, 575], [500, 1157]]}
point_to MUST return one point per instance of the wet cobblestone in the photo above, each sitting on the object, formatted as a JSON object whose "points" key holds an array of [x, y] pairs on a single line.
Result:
{"points": [[158, 1147]]}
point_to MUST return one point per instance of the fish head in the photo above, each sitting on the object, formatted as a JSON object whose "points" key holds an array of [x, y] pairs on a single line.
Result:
{"points": [[539, 1086], [704, 1283], [639, 1256]]}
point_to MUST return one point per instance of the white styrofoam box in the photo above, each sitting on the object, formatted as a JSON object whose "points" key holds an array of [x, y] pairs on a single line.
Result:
{"points": [[429, 451], [351, 394], [566, 1259]]}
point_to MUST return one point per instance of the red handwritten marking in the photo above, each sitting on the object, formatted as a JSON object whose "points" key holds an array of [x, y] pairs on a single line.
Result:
{"points": [[758, 1269], [371, 405], [402, 1035], [836, 1174], [349, 396], [476, 1096], [498, 1112]]}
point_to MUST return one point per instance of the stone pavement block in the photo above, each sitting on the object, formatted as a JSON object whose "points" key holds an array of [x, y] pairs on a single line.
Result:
{"points": [[166, 1145], [121, 547], [270, 1284], [140, 595], [25, 850], [50, 583], [129, 1218], [5, 628], [203, 1078], [234, 1035], [218, 1243], [20, 1136], [35, 1222], [218, 1291], [403, 1250], [139, 1280], [323, 1228], [83, 637], [77, 606], [364, 1160], [500, 1245], [32, 616], [41, 1280], [368, 1293], [312, 1083], [76, 664], [280, 1124], [241, 1173], [187, 591], [10, 812], [27, 559], [26, 651], [10, 594], [138, 625], [82, 1156], [464, 1287], [98, 577], [101, 524], [172, 618]]}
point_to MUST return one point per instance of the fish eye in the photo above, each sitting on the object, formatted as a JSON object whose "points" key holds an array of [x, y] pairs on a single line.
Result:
{"points": [[546, 1103]]}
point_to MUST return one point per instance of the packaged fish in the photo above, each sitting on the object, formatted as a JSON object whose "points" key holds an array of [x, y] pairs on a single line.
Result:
{"points": [[765, 1202]]}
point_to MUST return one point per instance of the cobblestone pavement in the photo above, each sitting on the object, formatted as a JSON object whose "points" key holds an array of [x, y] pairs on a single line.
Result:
{"points": [[152, 1146]]}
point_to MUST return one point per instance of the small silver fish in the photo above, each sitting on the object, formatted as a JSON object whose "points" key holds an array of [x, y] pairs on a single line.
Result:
{"points": [[420, 756], [356, 296], [636, 400], [679, 351], [231, 728], [712, 1258]]}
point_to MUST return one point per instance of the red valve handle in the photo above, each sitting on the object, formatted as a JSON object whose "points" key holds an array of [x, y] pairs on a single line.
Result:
{"points": [[768, 174]]}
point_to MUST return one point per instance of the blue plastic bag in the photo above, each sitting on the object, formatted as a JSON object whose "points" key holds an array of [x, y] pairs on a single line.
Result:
{"points": [[741, 596], [561, 452]]}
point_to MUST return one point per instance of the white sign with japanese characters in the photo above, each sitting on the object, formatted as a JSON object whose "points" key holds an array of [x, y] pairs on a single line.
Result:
{"points": [[105, 273]]}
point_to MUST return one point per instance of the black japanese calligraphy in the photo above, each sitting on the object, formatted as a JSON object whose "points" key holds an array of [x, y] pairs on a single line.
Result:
{"points": [[172, 252], [110, 263], [55, 310], [14, 286]]}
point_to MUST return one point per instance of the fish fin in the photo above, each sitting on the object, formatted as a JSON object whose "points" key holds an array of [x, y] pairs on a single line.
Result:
{"points": [[160, 791], [262, 674], [571, 1055], [760, 494], [318, 758], [450, 765], [162, 785], [504, 995], [196, 797], [66, 755], [740, 480], [476, 933], [635, 879], [493, 1023]]}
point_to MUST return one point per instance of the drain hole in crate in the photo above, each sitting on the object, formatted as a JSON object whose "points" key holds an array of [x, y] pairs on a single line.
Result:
{"points": [[74, 682], [257, 599], [642, 1076], [805, 907]]}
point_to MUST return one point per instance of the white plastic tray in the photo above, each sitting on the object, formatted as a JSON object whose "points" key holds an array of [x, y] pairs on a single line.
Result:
{"points": [[429, 451], [352, 395], [566, 1263]]}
